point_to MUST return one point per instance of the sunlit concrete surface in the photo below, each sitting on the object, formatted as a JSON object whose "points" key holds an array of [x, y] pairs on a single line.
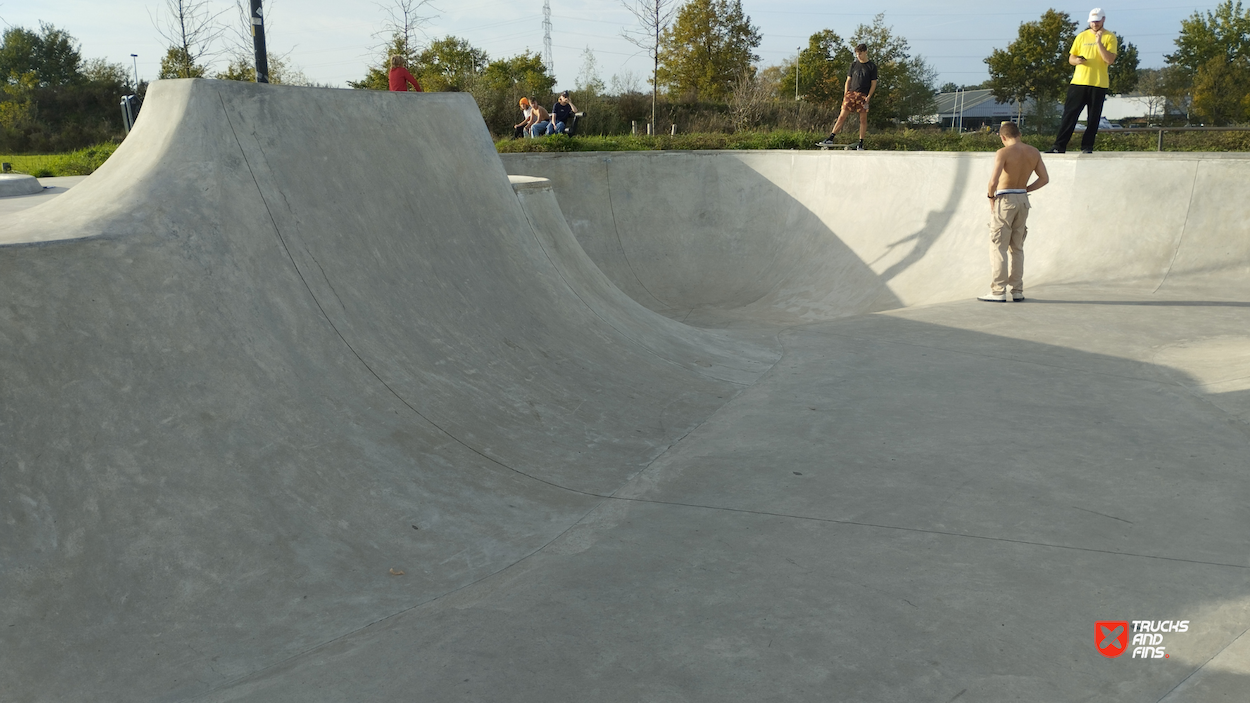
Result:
{"points": [[305, 400], [48, 189], [16, 184]]}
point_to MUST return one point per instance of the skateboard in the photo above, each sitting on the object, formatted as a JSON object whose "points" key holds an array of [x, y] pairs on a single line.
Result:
{"points": [[843, 147]]}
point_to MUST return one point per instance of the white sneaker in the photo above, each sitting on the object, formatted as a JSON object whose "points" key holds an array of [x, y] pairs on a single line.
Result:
{"points": [[1017, 296], [993, 297]]}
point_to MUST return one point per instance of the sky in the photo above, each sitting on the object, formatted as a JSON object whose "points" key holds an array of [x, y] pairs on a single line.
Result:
{"points": [[334, 41]]}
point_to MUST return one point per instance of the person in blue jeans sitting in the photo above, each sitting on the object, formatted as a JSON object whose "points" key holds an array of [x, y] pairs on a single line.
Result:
{"points": [[542, 121], [562, 114]]}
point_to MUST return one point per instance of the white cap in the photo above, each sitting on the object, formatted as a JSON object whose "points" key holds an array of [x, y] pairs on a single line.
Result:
{"points": [[1097, 15]]}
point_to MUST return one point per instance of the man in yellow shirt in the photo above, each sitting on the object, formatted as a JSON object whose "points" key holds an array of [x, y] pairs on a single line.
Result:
{"points": [[1092, 53]]}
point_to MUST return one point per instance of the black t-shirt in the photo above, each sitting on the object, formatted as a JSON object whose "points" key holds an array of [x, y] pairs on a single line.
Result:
{"points": [[562, 111], [862, 75]]}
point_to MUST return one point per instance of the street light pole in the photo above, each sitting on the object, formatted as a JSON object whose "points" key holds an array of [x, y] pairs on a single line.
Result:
{"points": [[796, 73], [135, 59], [258, 41]]}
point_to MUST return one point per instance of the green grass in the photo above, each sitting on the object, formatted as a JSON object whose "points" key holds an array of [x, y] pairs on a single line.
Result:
{"points": [[902, 140], [83, 162]]}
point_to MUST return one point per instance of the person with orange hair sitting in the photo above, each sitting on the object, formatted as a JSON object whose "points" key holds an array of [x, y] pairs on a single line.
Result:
{"points": [[399, 77], [522, 128]]}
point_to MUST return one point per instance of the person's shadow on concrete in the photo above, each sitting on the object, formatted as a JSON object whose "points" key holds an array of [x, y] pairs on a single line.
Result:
{"points": [[934, 224]]}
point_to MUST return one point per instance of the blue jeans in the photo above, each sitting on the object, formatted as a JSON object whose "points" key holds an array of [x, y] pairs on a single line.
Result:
{"points": [[557, 128], [540, 129]]}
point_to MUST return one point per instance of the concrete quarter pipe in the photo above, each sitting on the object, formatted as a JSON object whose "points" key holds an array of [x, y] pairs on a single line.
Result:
{"points": [[303, 399]]}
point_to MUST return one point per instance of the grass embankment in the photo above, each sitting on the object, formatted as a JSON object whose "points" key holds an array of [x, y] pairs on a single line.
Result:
{"points": [[903, 140], [83, 162]]}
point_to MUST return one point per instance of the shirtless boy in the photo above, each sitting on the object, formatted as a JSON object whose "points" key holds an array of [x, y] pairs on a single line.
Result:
{"points": [[1009, 209]]}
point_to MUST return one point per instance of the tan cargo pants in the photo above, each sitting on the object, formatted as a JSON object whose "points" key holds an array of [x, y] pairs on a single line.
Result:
{"points": [[1007, 233]]}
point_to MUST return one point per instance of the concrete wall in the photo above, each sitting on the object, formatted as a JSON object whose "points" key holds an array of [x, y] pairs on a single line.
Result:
{"points": [[816, 235]]}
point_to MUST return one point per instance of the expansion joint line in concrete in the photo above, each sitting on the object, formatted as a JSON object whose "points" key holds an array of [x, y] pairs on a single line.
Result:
{"points": [[603, 498], [278, 231], [321, 645], [879, 526], [1189, 206], [1211, 658], [921, 530]]}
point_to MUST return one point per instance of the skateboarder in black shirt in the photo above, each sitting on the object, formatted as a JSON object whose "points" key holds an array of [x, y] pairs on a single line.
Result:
{"points": [[861, 83]]}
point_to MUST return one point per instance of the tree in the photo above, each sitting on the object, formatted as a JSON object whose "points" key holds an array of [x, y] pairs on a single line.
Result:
{"points": [[1222, 90], [192, 29], [51, 56], [821, 70], [101, 71], [400, 29], [20, 54], [51, 100], [1151, 83], [1035, 65], [504, 82], [401, 26], [243, 68], [524, 75], [708, 47], [177, 63], [1223, 33], [1213, 45], [1178, 87], [753, 94], [905, 84], [653, 18], [450, 65], [378, 77], [588, 79], [242, 63], [1123, 73]]}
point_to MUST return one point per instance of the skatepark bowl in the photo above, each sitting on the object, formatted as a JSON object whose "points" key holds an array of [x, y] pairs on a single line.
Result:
{"points": [[306, 400]]}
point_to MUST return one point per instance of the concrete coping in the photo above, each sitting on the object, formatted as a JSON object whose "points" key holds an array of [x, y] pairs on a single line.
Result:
{"points": [[520, 183], [18, 184]]}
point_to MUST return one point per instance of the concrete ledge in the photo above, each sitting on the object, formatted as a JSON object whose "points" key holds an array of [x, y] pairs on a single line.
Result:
{"points": [[18, 184], [520, 183]]}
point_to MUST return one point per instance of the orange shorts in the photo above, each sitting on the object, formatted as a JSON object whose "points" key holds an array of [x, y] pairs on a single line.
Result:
{"points": [[855, 102]]}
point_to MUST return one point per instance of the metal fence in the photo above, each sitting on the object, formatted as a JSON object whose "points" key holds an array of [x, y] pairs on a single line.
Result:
{"points": [[1161, 130]]}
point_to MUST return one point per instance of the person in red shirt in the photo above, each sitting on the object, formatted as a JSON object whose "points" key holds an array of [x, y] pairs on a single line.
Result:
{"points": [[400, 77]]}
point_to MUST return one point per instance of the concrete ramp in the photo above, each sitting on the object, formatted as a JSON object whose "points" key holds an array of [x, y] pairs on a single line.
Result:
{"points": [[300, 340], [711, 237], [303, 398]]}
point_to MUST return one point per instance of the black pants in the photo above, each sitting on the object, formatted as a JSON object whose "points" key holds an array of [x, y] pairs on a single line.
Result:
{"points": [[1079, 98]]}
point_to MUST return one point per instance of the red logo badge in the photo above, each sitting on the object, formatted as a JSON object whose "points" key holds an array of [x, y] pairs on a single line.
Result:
{"points": [[1111, 637]]}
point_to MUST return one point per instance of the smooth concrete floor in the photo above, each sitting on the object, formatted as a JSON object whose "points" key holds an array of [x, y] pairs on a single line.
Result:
{"points": [[52, 188], [807, 542]]}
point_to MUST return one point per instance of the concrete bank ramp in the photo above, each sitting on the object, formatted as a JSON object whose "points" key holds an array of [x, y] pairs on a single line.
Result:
{"points": [[717, 238], [288, 343]]}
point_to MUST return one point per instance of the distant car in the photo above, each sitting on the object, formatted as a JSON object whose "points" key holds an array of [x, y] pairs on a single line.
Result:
{"points": [[1103, 123]]}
